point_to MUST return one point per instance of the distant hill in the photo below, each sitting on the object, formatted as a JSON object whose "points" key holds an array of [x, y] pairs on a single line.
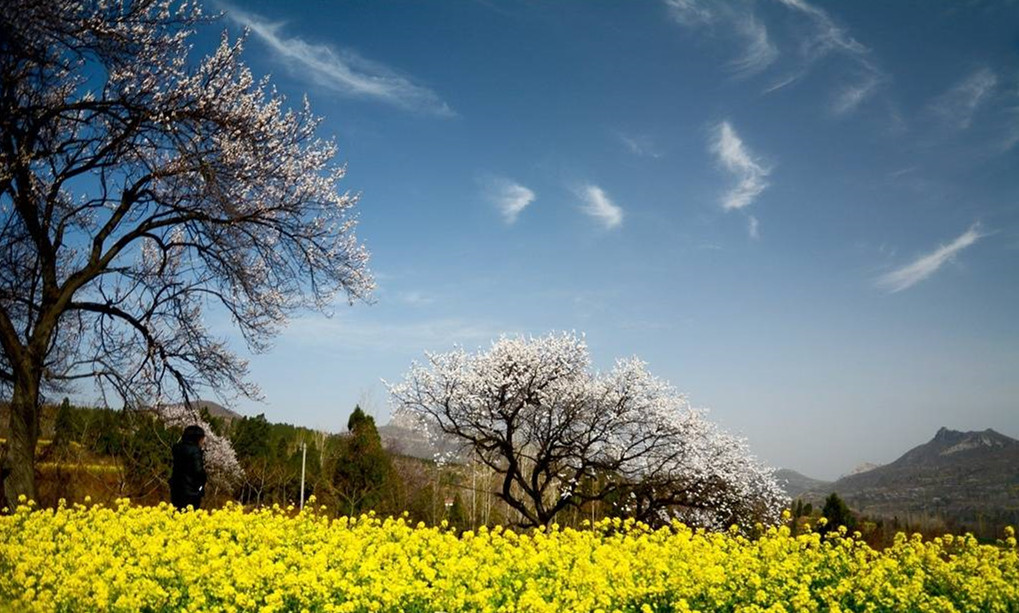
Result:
{"points": [[862, 468], [402, 435], [795, 483], [215, 409], [971, 477], [406, 441]]}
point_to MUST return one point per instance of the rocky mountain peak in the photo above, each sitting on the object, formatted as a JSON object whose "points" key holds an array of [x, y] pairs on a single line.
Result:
{"points": [[969, 477], [976, 440], [944, 435]]}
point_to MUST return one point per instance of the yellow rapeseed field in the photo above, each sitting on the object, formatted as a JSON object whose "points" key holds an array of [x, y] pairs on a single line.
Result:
{"points": [[132, 558]]}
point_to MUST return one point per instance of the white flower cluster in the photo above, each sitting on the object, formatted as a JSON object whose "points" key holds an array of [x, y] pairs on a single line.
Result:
{"points": [[220, 459], [533, 409]]}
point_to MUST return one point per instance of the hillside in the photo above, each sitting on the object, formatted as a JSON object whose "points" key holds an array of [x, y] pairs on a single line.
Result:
{"points": [[971, 477], [403, 436], [216, 410], [795, 483]]}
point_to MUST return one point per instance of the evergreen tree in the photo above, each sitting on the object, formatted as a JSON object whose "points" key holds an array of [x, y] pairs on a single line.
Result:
{"points": [[63, 427], [456, 514], [359, 420], [146, 454], [837, 513], [363, 477], [250, 437]]}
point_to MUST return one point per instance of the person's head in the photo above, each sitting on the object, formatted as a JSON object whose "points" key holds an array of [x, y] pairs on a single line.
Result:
{"points": [[193, 434]]}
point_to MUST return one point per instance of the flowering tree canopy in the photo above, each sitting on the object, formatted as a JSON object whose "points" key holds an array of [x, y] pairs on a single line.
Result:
{"points": [[562, 435], [137, 190], [220, 459]]}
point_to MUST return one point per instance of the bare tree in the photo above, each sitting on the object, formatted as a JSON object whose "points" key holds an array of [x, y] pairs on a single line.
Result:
{"points": [[138, 190], [561, 436]]}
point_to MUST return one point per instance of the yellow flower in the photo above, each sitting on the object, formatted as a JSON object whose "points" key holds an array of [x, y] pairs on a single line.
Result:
{"points": [[132, 558]]}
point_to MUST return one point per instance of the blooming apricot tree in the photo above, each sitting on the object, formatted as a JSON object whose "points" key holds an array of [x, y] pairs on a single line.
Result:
{"points": [[562, 435], [138, 189], [220, 459]]}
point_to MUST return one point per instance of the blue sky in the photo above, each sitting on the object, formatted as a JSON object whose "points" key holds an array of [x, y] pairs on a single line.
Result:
{"points": [[804, 215]]}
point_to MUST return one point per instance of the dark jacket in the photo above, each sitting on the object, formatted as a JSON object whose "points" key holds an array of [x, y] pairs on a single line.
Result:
{"points": [[187, 481]]}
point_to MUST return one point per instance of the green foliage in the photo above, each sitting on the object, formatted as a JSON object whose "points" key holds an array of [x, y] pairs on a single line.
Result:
{"points": [[104, 432], [147, 453], [270, 455], [801, 516], [363, 475], [801, 509], [112, 453], [63, 426], [837, 513], [216, 424], [456, 514], [250, 437], [359, 420]]}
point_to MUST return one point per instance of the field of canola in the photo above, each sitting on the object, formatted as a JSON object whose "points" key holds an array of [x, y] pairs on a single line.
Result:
{"points": [[134, 558]]}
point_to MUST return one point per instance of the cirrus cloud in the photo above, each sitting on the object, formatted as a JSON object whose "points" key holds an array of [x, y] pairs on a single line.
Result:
{"points": [[342, 71], [599, 206], [959, 104], [737, 159], [508, 196], [926, 265]]}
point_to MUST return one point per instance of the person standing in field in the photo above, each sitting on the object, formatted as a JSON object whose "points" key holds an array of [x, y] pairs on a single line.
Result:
{"points": [[187, 481]]}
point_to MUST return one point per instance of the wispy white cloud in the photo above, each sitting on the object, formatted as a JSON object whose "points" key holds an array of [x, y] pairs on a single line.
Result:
{"points": [[753, 227], [855, 94], [736, 158], [815, 35], [958, 105], [824, 37], [415, 298], [600, 206], [827, 36], [342, 71], [691, 12], [784, 81], [926, 265], [508, 196], [640, 145], [758, 52], [895, 174]]}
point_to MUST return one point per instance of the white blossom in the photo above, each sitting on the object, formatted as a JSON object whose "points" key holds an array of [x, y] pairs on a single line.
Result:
{"points": [[220, 460], [561, 434]]}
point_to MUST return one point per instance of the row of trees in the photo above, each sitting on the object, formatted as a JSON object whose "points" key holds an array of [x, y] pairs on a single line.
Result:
{"points": [[108, 453]]}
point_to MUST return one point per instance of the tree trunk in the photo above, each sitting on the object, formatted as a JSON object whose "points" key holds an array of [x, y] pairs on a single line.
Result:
{"points": [[19, 468]]}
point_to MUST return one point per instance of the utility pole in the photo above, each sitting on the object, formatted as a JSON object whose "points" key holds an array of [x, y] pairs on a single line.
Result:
{"points": [[474, 494], [304, 460]]}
